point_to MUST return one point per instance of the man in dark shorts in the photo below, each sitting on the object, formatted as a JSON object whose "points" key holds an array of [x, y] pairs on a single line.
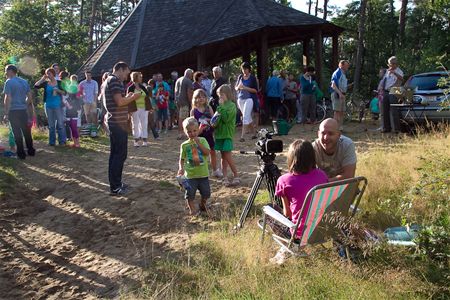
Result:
{"points": [[116, 104]]}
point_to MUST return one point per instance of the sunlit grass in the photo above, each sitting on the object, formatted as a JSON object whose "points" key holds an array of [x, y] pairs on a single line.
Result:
{"points": [[222, 264]]}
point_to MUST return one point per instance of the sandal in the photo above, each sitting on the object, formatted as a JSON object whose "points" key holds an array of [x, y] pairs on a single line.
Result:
{"points": [[235, 181], [242, 140], [226, 182]]}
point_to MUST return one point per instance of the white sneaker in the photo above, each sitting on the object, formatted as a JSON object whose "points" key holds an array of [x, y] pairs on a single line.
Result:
{"points": [[217, 173], [136, 144], [280, 257], [144, 144]]}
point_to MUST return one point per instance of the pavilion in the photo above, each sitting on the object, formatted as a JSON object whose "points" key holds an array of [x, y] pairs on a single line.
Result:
{"points": [[161, 36]]}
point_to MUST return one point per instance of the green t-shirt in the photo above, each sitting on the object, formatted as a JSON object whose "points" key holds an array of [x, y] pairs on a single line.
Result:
{"points": [[226, 124], [195, 162], [140, 102]]}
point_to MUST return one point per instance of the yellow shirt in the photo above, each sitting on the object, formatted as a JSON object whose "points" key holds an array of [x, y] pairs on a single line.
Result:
{"points": [[140, 102]]}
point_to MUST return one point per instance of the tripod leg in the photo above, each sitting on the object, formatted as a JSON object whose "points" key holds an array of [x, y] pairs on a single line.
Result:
{"points": [[250, 199], [271, 181]]}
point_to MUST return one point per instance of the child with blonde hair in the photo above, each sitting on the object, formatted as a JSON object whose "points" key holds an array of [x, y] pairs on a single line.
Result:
{"points": [[224, 130], [203, 113], [193, 164]]}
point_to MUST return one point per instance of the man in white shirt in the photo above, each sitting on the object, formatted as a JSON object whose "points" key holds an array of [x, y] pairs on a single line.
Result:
{"points": [[89, 90], [206, 83], [392, 78]]}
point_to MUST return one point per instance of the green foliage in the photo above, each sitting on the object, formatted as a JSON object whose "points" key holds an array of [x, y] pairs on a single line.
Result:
{"points": [[426, 45], [427, 40], [434, 213], [43, 33]]}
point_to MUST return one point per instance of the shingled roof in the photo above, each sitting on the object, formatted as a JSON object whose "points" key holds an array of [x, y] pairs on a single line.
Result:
{"points": [[166, 34]]}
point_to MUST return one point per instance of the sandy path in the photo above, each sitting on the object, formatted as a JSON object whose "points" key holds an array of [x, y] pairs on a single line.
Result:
{"points": [[62, 235]]}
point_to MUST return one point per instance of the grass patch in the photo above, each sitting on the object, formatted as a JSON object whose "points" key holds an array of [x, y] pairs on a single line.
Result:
{"points": [[407, 184], [8, 175], [223, 266]]}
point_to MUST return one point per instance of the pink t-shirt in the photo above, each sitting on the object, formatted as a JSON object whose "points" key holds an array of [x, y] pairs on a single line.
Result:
{"points": [[295, 187]]}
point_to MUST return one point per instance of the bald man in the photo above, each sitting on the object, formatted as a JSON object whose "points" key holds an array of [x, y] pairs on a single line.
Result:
{"points": [[335, 153]]}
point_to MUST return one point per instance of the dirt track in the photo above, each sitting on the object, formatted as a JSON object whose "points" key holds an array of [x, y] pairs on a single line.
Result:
{"points": [[63, 236]]}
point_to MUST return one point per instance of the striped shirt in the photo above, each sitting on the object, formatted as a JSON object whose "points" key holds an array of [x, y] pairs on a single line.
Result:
{"points": [[117, 115]]}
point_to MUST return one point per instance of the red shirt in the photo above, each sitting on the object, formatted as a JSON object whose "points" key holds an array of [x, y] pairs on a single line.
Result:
{"points": [[161, 100]]}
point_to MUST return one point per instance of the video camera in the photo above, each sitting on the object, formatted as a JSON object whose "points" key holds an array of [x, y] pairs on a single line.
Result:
{"points": [[266, 145]]}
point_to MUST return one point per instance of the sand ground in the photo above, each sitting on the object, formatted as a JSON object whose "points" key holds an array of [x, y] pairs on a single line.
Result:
{"points": [[62, 235]]}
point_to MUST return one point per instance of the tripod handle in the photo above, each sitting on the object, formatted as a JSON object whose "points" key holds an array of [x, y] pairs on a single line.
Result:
{"points": [[248, 152]]}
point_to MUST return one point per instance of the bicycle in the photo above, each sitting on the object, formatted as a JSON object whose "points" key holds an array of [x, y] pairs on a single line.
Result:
{"points": [[323, 109], [354, 108]]}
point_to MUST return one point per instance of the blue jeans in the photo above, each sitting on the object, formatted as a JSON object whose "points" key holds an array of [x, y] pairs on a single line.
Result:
{"points": [[118, 138], [55, 121]]}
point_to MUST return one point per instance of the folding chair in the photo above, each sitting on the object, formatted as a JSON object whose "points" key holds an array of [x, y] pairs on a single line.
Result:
{"points": [[341, 196]]}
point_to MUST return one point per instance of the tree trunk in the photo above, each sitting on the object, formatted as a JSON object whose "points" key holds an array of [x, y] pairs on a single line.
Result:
{"points": [[91, 26], [325, 9], [101, 21], [317, 8], [394, 21], [360, 48], [81, 12], [402, 21], [121, 11], [309, 6]]}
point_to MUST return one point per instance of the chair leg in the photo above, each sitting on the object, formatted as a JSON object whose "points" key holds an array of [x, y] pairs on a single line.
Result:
{"points": [[263, 229], [349, 260]]}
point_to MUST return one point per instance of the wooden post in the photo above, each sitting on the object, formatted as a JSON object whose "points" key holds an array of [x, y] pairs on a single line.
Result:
{"points": [[334, 52], [305, 44], [246, 51], [262, 60], [201, 59], [318, 45]]}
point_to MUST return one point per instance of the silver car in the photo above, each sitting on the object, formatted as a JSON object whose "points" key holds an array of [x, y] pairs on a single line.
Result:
{"points": [[428, 99]]}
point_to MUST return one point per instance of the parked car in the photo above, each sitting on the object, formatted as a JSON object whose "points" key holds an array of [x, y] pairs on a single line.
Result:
{"points": [[427, 100]]}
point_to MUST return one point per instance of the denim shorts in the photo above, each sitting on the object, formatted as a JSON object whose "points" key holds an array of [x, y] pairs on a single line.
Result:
{"points": [[163, 114], [201, 184]]}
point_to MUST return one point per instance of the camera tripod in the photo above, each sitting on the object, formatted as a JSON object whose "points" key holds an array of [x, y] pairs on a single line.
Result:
{"points": [[269, 172]]}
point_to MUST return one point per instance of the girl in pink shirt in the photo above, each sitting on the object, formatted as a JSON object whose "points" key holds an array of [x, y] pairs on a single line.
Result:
{"points": [[303, 175]]}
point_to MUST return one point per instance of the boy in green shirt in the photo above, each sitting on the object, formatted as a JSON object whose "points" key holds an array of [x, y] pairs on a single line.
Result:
{"points": [[193, 164]]}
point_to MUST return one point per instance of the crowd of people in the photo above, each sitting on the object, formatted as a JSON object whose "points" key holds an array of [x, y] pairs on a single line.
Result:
{"points": [[206, 112]]}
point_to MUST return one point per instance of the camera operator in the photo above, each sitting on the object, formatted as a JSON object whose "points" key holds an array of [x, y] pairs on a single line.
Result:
{"points": [[335, 153]]}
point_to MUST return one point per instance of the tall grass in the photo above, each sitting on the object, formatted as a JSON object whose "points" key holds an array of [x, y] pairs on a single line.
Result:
{"points": [[221, 264]]}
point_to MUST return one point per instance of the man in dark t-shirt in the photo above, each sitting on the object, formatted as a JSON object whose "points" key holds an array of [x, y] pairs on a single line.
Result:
{"points": [[116, 104]]}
